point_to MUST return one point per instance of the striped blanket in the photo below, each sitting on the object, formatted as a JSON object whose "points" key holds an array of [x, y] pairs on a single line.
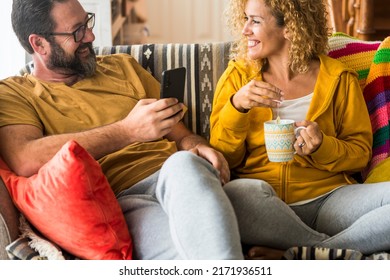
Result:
{"points": [[317, 253], [377, 96], [371, 60]]}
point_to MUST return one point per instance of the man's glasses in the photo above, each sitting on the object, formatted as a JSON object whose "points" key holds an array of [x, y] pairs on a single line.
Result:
{"points": [[79, 33]]}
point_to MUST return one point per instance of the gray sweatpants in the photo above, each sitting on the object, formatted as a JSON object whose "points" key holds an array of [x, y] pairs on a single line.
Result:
{"points": [[351, 217], [182, 212]]}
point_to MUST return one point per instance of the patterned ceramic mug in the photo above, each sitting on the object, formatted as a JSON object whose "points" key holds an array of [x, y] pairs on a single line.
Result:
{"points": [[279, 140]]}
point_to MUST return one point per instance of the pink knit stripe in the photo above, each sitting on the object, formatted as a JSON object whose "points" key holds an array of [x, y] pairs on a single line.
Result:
{"points": [[377, 119], [354, 48]]}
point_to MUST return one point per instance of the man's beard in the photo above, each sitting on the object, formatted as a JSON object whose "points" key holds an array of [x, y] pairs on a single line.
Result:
{"points": [[61, 62]]}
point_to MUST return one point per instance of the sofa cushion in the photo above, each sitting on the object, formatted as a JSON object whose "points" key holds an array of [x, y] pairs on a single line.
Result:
{"points": [[380, 173], [71, 203]]}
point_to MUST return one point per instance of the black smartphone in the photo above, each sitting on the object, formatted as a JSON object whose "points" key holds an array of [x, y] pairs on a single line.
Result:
{"points": [[172, 83]]}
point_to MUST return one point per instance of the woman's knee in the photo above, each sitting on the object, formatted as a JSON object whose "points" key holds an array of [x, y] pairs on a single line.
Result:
{"points": [[380, 190], [244, 190]]}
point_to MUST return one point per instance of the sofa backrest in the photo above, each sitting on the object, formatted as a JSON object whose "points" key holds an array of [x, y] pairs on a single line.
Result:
{"points": [[205, 63]]}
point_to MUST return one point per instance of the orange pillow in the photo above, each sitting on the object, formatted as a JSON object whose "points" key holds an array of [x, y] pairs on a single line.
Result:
{"points": [[72, 204]]}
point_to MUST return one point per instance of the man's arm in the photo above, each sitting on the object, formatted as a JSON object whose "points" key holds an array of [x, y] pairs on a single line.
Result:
{"points": [[25, 149]]}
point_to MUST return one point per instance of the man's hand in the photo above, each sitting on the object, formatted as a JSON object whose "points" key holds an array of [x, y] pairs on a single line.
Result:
{"points": [[216, 159], [152, 119]]}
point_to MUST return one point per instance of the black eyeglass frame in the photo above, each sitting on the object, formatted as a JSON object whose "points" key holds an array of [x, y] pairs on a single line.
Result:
{"points": [[83, 28]]}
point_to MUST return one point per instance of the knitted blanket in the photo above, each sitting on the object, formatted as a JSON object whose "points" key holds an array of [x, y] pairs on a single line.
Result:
{"points": [[377, 96], [371, 60]]}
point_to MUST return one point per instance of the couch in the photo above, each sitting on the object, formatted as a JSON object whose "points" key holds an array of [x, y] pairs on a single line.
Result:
{"points": [[205, 63]]}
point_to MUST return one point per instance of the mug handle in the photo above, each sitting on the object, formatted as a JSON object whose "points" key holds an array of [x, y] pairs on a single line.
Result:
{"points": [[297, 131]]}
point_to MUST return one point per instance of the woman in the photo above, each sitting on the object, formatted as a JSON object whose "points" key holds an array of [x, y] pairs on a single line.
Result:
{"points": [[279, 68]]}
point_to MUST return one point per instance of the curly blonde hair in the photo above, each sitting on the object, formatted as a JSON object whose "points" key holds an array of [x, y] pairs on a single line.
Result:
{"points": [[305, 20]]}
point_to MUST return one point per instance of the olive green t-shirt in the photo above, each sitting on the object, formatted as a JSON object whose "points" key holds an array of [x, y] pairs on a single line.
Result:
{"points": [[55, 108]]}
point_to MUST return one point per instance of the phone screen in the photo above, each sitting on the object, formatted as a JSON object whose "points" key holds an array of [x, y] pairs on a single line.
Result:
{"points": [[173, 82]]}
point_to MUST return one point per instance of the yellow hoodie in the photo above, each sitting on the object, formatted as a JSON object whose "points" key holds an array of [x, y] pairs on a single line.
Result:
{"points": [[337, 106]]}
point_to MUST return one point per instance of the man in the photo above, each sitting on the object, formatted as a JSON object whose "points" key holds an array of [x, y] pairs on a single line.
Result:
{"points": [[173, 200]]}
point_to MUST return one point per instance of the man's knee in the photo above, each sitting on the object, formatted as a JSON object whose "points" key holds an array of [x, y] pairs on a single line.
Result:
{"points": [[185, 161], [186, 173], [180, 158]]}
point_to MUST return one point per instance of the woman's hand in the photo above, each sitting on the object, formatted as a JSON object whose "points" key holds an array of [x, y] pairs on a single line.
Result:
{"points": [[257, 94], [309, 139]]}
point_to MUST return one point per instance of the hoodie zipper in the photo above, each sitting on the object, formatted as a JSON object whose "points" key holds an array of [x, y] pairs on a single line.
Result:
{"points": [[283, 183]]}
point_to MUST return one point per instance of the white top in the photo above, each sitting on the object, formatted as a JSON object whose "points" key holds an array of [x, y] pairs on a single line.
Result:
{"points": [[294, 109]]}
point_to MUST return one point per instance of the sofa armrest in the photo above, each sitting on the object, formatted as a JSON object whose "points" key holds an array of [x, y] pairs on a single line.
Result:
{"points": [[9, 221]]}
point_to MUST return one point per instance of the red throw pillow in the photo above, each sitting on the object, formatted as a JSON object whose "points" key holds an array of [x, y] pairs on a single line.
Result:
{"points": [[71, 203]]}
